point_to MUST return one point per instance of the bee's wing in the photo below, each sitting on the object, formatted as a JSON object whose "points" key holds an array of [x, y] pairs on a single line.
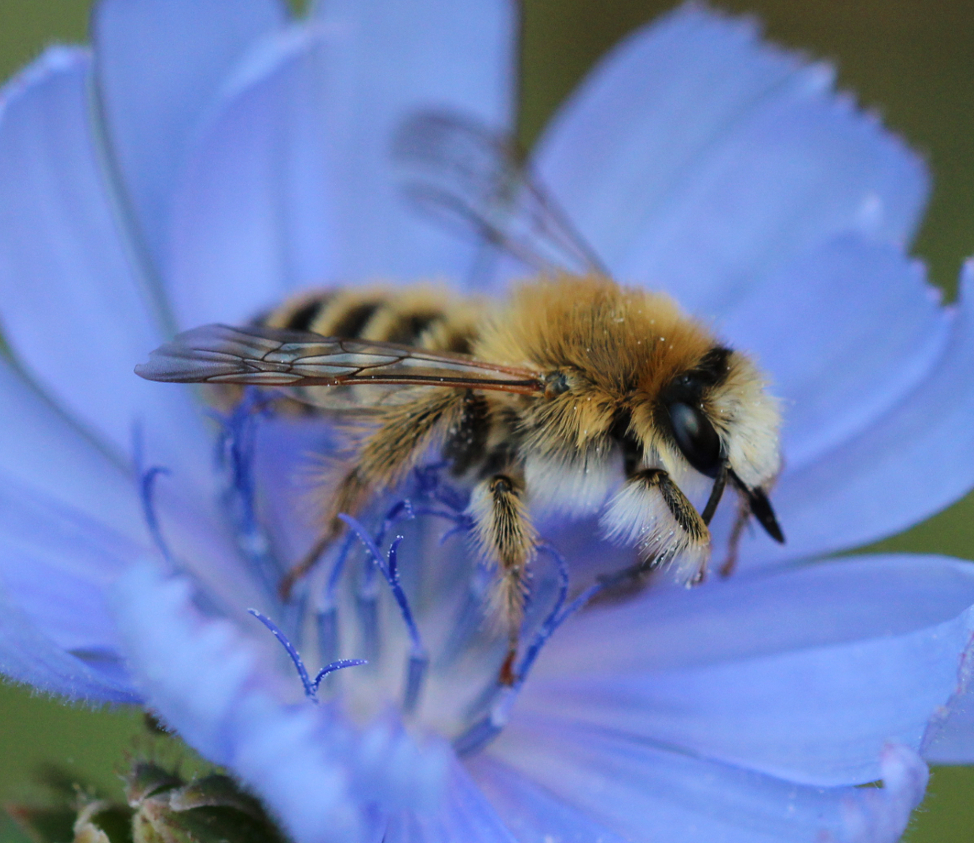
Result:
{"points": [[219, 354], [463, 173]]}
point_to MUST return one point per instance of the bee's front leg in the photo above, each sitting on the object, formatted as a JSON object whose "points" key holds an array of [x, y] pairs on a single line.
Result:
{"points": [[506, 536], [651, 511]]}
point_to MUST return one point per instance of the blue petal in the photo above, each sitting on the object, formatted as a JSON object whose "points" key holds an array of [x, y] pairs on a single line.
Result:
{"points": [[909, 464], [28, 655], [159, 66], [291, 183], [645, 792], [804, 674], [70, 521], [55, 563], [43, 450], [844, 332], [531, 813], [74, 309], [466, 816], [254, 216], [877, 816], [698, 159], [390, 58], [950, 736], [221, 691]]}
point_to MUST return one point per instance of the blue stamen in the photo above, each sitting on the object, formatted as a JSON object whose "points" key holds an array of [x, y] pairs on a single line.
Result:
{"points": [[489, 726], [484, 730], [147, 493], [326, 623], [402, 510], [553, 619], [235, 451], [469, 616], [418, 658], [415, 674], [310, 685], [390, 570], [367, 609], [334, 578], [399, 511]]}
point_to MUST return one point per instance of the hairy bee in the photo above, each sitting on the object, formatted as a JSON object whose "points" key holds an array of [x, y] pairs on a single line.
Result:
{"points": [[574, 392]]}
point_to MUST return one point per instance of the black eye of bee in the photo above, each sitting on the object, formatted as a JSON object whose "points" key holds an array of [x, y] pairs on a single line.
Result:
{"points": [[696, 437]]}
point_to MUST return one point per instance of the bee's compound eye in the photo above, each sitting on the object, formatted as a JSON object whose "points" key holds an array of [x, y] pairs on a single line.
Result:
{"points": [[696, 437]]}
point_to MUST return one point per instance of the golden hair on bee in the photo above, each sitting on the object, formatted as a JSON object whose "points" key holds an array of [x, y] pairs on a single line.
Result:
{"points": [[578, 394], [574, 393]]}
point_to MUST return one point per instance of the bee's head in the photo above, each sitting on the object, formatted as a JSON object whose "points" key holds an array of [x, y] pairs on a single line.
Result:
{"points": [[717, 418], [719, 410]]}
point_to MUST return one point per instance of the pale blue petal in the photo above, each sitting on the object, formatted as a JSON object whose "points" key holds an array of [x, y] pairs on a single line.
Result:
{"points": [[909, 464], [71, 519], [648, 792], [950, 739], [291, 183], [72, 307], [45, 451], [763, 613], [803, 675], [843, 332], [225, 694], [389, 59], [532, 814], [698, 159], [254, 216], [55, 564], [466, 816], [874, 815], [28, 655], [160, 64]]}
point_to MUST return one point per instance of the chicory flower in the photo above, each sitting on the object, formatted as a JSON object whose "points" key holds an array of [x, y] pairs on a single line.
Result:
{"points": [[205, 159]]}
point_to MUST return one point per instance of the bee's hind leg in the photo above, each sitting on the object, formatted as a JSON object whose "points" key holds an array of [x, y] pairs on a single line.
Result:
{"points": [[379, 462], [505, 535]]}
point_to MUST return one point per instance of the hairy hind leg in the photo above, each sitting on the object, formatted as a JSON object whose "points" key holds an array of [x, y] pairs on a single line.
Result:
{"points": [[381, 461], [505, 534]]}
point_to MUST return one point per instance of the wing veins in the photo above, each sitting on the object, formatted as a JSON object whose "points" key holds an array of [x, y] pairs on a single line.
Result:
{"points": [[221, 354]]}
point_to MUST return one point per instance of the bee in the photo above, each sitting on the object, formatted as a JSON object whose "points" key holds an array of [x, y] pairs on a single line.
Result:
{"points": [[573, 393]]}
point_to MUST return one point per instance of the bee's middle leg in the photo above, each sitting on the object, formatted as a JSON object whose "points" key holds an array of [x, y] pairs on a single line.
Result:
{"points": [[505, 534]]}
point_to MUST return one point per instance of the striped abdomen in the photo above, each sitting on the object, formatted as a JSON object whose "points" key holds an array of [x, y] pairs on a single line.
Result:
{"points": [[426, 317]]}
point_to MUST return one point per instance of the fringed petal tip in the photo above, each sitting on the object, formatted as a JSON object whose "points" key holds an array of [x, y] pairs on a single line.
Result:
{"points": [[325, 779], [753, 127], [880, 815]]}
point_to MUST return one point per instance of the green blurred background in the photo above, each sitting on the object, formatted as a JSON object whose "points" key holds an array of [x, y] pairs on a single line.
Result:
{"points": [[911, 60]]}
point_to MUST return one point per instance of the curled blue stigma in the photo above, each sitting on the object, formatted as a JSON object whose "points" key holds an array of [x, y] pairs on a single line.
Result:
{"points": [[310, 685]]}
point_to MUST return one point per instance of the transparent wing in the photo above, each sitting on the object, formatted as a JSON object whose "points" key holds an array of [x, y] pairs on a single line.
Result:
{"points": [[219, 354], [462, 173]]}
